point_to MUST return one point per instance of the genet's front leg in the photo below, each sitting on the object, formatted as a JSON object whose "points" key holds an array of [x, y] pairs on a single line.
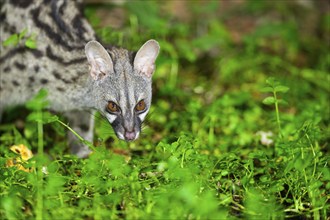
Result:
{"points": [[81, 122]]}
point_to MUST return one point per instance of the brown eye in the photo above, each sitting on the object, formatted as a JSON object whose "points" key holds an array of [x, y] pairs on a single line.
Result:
{"points": [[140, 106], [112, 107]]}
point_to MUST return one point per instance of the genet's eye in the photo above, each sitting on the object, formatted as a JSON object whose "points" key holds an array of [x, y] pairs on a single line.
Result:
{"points": [[140, 106], [112, 107]]}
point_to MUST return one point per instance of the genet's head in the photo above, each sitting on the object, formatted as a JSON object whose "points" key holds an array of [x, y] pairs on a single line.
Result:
{"points": [[122, 85]]}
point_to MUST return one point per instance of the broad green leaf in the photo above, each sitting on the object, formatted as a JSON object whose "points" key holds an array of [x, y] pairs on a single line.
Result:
{"points": [[31, 43], [48, 117], [12, 40], [41, 94], [281, 89], [267, 89], [34, 116], [269, 100], [39, 101], [271, 81], [224, 172], [37, 104]]}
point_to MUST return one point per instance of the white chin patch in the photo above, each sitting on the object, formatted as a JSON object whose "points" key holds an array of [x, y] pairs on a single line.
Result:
{"points": [[137, 135], [111, 118], [143, 115], [120, 136]]}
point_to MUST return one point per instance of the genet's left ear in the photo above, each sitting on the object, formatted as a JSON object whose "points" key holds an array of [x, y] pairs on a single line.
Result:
{"points": [[144, 62], [99, 60]]}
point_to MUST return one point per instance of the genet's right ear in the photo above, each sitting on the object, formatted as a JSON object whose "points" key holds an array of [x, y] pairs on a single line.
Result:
{"points": [[144, 61], [99, 60]]}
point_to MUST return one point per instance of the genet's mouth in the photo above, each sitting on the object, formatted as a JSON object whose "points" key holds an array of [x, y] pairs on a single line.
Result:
{"points": [[128, 136]]}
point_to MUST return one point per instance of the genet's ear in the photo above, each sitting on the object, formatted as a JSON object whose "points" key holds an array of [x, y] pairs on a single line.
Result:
{"points": [[144, 62], [99, 60]]}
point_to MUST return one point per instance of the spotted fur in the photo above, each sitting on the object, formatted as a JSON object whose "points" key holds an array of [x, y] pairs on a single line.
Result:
{"points": [[78, 72]]}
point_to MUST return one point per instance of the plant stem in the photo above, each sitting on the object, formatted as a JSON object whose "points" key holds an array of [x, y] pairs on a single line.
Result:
{"points": [[278, 116], [70, 129], [40, 136], [39, 170]]}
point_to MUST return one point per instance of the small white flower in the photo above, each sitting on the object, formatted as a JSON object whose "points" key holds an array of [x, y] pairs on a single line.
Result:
{"points": [[265, 137], [44, 170]]}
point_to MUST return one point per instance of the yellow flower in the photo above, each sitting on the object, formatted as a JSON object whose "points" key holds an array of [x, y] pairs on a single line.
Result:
{"points": [[22, 150], [25, 154]]}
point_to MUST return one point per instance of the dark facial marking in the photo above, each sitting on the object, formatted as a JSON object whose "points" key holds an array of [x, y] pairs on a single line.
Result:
{"points": [[138, 122], [116, 122]]}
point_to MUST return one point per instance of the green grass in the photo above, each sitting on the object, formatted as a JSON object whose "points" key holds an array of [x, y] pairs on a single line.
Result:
{"points": [[200, 155]]}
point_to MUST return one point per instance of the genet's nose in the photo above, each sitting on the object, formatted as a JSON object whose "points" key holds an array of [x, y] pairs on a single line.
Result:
{"points": [[129, 136]]}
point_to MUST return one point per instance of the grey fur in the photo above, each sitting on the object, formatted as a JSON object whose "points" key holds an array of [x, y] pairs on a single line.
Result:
{"points": [[75, 83]]}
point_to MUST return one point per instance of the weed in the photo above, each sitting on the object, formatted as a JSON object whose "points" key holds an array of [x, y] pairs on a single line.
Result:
{"points": [[16, 39], [275, 87]]}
